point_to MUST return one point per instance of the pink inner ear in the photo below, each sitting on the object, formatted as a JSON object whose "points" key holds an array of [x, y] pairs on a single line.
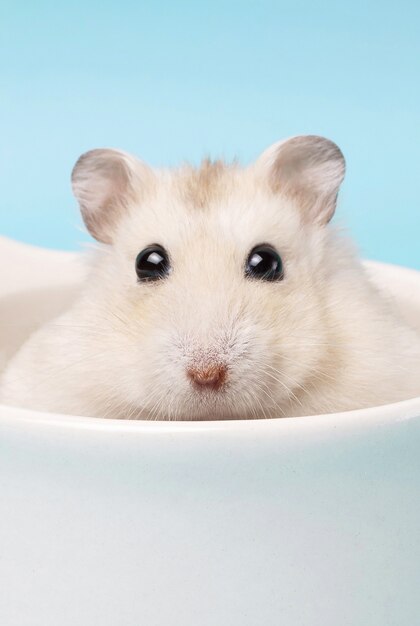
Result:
{"points": [[308, 169], [103, 183]]}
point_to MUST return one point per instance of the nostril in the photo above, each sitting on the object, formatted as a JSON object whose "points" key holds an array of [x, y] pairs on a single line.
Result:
{"points": [[210, 377]]}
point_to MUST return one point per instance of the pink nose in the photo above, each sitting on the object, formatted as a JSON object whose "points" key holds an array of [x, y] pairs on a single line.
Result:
{"points": [[210, 377]]}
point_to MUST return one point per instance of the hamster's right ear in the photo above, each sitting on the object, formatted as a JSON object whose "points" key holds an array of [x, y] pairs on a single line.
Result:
{"points": [[103, 182]]}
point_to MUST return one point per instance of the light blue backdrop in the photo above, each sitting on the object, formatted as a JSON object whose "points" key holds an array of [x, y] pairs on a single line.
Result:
{"points": [[177, 80]]}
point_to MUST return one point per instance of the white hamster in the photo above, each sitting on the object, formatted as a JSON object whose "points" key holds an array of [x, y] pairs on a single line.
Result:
{"points": [[218, 292]]}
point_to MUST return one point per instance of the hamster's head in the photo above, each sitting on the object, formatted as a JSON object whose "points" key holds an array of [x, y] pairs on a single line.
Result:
{"points": [[207, 293]]}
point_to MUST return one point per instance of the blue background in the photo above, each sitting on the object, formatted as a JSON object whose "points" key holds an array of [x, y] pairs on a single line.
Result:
{"points": [[178, 80]]}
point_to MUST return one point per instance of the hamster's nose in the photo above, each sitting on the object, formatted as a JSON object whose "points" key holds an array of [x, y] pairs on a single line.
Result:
{"points": [[208, 377]]}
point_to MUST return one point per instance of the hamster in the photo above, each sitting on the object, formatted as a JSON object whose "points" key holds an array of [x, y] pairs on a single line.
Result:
{"points": [[217, 292]]}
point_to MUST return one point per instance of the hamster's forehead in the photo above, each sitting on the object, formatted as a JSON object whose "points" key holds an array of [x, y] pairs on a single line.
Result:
{"points": [[215, 203]]}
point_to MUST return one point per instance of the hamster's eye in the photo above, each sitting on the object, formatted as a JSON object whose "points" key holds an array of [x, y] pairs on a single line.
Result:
{"points": [[152, 263], [265, 263]]}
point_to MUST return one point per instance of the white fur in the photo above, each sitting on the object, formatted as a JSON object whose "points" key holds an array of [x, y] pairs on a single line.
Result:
{"points": [[322, 340]]}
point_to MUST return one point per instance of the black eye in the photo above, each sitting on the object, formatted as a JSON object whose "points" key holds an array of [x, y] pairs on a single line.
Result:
{"points": [[152, 263], [264, 262]]}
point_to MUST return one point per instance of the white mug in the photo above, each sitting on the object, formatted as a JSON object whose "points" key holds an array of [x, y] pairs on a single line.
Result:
{"points": [[309, 521]]}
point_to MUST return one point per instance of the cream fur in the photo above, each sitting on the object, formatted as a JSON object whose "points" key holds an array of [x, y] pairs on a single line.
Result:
{"points": [[322, 340]]}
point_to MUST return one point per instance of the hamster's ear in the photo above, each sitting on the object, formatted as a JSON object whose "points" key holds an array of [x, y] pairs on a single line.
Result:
{"points": [[308, 168], [103, 182]]}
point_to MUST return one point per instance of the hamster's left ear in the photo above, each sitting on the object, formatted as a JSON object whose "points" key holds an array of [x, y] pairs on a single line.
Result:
{"points": [[104, 181], [308, 168]]}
